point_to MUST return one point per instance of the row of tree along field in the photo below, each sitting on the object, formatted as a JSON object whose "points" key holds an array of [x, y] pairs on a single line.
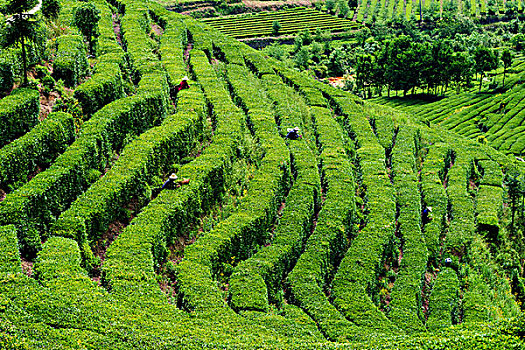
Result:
{"points": [[404, 65]]}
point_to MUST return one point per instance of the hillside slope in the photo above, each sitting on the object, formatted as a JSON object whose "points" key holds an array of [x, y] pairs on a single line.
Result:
{"points": [[336, 240]]}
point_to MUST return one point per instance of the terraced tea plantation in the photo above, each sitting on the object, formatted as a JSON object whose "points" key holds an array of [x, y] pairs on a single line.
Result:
{"points": [[495, 118], [291, 22], [373, 230], [369, 11]]}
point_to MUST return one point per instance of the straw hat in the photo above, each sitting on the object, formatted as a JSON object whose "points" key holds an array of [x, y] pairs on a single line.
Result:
{"points": [[173, 177], [185, 78]]}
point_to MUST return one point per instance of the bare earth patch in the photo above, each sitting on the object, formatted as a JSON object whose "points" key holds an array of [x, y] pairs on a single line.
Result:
{"points": [[27, 267]]}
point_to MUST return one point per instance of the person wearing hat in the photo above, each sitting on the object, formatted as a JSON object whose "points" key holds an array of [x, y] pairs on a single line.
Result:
{"points": [[183, 84], [293, 133], [173, 182], [427, 215]]}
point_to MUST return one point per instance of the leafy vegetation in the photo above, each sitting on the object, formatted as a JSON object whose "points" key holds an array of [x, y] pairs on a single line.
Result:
{"points": [[378, 228]]}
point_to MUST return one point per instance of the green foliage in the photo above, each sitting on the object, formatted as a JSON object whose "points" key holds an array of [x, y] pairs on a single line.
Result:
{"points": [[276, 51], [105, 132], [18, 6], [70, 63], [6, 73], [51, 8], [443, 301], [302, 57], [276, 27], [86, 18], [10, 256], [23, 30], [18, 114], [103, 87], [38, 147], [485, 59]]}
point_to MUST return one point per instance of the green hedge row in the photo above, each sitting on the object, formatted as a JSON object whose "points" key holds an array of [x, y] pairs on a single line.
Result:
{"points": [[357, 272], [462, 227], [443, 302], [9, 254], [106, 41], [57, 267], [172, 49], [491, 171], [18, 114], [405, 305], [70, 64], [36, 148], [103, 87], [135, 27], [327, 244], [198, 35], [382, 123], [256, 61], [258, 280], [434, 194], [141, 160], [41, 200], [241, 234], [313, 96], [487, 295], [489, 207], [489, 199], [228, 50], [129, 260]]}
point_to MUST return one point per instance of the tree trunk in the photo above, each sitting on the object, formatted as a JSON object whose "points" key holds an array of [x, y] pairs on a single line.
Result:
{"points": [[504, 73], [480, 81], [24, 59]]}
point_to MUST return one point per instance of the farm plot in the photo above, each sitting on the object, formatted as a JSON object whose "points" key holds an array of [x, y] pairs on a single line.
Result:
{"points": [[498, 118], [411, 10], [371, 230], [291, 21]]}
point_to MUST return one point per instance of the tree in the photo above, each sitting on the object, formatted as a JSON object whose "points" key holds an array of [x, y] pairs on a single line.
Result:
{"points": [[18, 6], [364, 69], [297, 44], [363, 34], [330, 5], [306, 36], [51, 8], [20, 28], [506, 58], [485, 59], [343, 8], [276, 51], [276, 27], [85, 18], [461, 69], [302, 58], [514, 193]]}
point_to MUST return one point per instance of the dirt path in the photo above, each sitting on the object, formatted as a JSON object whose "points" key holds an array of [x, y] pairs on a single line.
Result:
{"points": [[116, 28], [157, 29]]}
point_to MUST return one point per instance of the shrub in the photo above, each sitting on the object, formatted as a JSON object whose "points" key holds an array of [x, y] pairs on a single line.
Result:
{"points": [[70, 63], [51, 8], [18, 113]]}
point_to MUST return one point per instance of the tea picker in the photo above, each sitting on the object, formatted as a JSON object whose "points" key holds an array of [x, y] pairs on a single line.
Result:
{"points": [[183, 84], [427, 215], [293, 133], [173, 182]]}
